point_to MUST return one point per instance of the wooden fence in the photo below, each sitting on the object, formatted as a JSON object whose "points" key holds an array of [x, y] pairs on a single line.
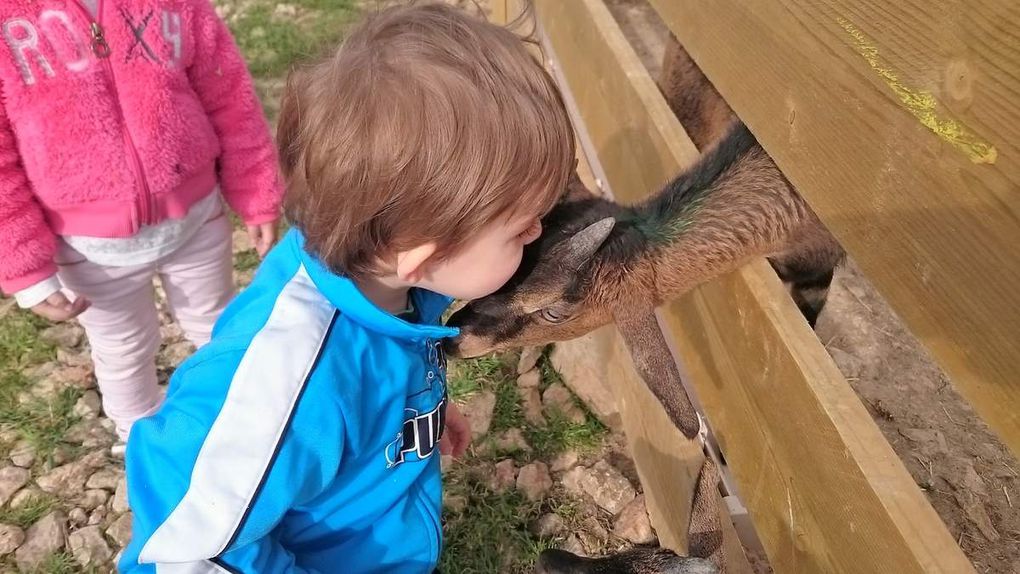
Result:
{"points": [[899, 130]]}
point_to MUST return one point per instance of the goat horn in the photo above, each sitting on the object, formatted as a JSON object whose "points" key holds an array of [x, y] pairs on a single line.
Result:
{"points": [[583, 245]]}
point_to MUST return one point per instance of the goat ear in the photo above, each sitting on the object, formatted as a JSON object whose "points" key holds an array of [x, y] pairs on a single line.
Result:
{"points": [[582, 246]]}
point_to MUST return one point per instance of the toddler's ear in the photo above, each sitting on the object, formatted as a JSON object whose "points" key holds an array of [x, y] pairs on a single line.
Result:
{"points": [[411, 263]]}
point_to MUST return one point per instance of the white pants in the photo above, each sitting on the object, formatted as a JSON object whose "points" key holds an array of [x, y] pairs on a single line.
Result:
{"points": [[122, 325]]}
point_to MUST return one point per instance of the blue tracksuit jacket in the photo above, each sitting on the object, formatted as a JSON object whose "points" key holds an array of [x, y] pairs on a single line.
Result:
{"points": [[302, 438]]}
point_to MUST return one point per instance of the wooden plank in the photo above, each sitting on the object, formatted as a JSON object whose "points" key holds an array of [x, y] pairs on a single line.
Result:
{"points": [[667, 463], [900, 123], [824, 488], [826, 491], [500, 13]]}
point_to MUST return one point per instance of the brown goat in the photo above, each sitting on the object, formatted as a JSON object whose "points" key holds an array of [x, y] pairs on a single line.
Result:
{"points": [[600, 262]]}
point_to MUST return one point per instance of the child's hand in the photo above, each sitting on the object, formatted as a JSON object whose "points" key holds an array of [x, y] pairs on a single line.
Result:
{"points": [[57, 307], [262, 236], [457, 435]]}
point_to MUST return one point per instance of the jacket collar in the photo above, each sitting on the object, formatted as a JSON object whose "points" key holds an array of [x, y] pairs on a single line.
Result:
{"points": [[345, 296]]}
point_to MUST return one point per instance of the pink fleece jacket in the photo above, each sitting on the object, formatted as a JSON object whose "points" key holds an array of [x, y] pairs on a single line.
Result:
{"points": [[119, 121]]}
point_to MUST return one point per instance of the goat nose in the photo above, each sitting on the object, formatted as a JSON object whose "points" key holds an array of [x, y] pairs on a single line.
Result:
{"points": [[452, 346]]}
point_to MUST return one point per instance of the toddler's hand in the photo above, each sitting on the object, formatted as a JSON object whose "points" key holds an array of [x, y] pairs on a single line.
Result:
{"points": [[457, 435], [262, 236], [57, 307]]}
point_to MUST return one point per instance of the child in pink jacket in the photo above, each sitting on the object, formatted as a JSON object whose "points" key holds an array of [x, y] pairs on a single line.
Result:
{"points": [[123, 124]]}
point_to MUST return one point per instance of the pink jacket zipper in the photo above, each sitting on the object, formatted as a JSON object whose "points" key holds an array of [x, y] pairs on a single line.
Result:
{"points": [[102, 51]]}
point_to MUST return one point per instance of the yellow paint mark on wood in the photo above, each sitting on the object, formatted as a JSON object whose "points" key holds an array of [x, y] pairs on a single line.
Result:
{"points": [[921, 103]]}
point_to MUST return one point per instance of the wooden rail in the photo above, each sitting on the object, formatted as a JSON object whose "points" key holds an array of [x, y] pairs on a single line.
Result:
{"points": [[824, 488], [667, 463], [899, 122]]}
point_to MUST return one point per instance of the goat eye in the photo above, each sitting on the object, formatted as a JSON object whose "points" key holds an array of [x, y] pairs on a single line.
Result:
{"points": [[553, 316]]}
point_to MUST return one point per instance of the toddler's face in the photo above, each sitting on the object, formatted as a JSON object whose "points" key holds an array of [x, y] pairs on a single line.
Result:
{"points": [[487, 262]]}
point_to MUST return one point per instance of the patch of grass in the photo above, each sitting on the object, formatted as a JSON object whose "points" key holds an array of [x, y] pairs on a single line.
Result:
{"points": [[508, 413], [467, 376], [28, 513], [559, 435], [42, 423], [63, 563], [568, 508], [272, 41], [491, 535], [246, 260], [549, 374], [20, 346]]}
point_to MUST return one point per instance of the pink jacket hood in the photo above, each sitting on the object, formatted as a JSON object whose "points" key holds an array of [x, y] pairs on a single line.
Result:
{"points": [[112, 122]]}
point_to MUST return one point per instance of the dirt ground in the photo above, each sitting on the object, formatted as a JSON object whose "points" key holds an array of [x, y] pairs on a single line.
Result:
{"points": [[968, 475]]}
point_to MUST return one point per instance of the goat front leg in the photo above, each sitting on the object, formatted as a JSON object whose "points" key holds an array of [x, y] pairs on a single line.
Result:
{"points": [[654, 362]]}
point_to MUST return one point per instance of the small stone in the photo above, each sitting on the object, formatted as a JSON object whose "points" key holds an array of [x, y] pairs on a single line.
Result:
{"points": [[975, 511], [573, 478], [972, 481], [529, 358], [74, 358], [70, 478], [175, 354], [285, 11], [25, 495], [242, 241], [557, 399], [582, 368], [534, 481], [111, 427], [847, 364], [478, 410], [529, 380], [62, 454], [120, 530], [454, 503], [549, 526], [604, 484], [47, 536], [77, 517], [12, 478], [89, 547], [42, 371], [172, 332], [78, 376], [120, 500], [89, 405], [510, 441], [531, 405], [66, 335], [243, 278], [504, 476], [91, 433], [633, 524], [98, 515], [105, 478], [564, 461], [592, 534], [23, 454], [11, 538], [573, 544]]}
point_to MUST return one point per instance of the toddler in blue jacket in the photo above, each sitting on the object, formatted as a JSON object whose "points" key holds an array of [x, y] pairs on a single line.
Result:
{"points": [[420, 157]]}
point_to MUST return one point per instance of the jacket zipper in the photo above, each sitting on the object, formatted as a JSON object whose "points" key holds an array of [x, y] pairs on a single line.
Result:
{"points": [[101, 49]]}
